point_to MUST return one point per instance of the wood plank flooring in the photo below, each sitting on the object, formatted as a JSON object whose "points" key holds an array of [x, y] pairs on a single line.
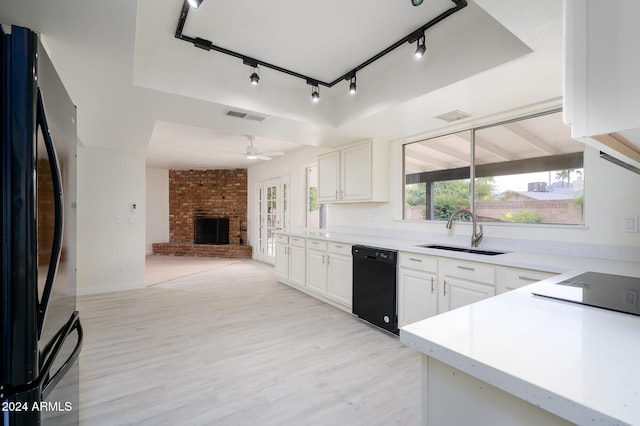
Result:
{"points": [[232, 346]]}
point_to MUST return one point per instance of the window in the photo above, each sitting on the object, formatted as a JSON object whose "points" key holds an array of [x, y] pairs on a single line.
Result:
{"points": [[317, 214], [528, 170]]}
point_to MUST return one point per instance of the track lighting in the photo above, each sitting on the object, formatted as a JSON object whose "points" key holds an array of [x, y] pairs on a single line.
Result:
{"points": [[352, 85], [420, 48], [315, 94], [255, 78], [417, 36]]}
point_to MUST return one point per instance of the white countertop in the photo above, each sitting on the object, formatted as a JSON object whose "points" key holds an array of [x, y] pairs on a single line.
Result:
{"points": [[578, 362], [538, 260]]}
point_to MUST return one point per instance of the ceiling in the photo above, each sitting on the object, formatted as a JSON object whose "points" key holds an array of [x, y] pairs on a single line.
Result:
{"points": [[140, 89]]}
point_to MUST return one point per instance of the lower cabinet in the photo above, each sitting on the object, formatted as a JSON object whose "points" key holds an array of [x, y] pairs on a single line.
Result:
{"points": [[291, 260], [464, 283], [417, 287], [457, 293], [297, 265], [317, 266], [427, 284], [340, 273]]}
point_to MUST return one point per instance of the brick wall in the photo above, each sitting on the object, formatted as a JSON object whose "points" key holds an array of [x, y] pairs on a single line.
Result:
{"points": [[207, 193]]}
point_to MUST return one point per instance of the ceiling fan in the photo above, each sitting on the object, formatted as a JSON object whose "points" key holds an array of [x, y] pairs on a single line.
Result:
{"points": [[252, 152]]}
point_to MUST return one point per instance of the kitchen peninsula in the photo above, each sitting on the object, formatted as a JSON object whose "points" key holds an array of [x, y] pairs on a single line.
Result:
{"points": [[523, 359]]}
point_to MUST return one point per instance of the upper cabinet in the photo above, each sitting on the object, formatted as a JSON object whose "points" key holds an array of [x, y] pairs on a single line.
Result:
{"points": [[357, 173], [601, 83]]}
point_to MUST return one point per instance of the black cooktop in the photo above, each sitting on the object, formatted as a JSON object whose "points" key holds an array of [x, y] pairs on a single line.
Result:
{"points": [[608, 291]]}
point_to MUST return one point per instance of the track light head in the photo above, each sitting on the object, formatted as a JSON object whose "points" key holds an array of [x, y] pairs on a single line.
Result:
{"points": [[420, 48], [352, 86], [416, 2], [254, 78], [196, 3], [315, 94]]}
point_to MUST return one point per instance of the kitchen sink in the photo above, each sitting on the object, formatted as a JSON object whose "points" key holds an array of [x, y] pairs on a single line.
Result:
{"points": [[462, 249]]}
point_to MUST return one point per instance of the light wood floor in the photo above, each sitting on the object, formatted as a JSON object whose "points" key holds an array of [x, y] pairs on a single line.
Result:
{"points": [[232, 346]]}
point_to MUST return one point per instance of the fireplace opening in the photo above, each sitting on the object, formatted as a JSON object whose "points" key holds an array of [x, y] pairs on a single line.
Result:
{"points": [[211, 230]]}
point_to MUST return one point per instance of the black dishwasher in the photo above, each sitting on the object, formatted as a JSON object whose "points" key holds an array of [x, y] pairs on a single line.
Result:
{"points": [[374, 286]]}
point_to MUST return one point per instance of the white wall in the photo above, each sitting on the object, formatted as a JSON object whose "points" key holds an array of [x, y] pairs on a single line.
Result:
{"points": [[611, 193], [157, 208], [111, 236], [293, 164]]}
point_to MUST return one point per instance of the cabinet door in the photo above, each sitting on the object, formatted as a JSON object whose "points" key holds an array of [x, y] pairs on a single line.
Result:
{"points": [[417, 296], [282, 261], [328, 176], [317, 271], [356, 172], [340, 279], [457, 293], [297, 265]]}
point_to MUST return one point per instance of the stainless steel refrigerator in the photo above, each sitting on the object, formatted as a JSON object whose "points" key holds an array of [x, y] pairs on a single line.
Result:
{"points": [[41, 332]]}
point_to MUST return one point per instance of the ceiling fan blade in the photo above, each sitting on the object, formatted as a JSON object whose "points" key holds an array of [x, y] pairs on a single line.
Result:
{"points": [[264, 157], [273, 153]]}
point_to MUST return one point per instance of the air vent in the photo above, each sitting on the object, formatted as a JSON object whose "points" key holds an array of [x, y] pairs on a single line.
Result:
{"points": [[236, 114], [245, 115], [256, 117], [452, 116]]}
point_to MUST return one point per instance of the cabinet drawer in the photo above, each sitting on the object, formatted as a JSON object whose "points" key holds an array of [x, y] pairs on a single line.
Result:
{"points": [[317, 245], [417, 261], [513, 278], [282, 239], [297, 241], [472, 271], [340, 248]]}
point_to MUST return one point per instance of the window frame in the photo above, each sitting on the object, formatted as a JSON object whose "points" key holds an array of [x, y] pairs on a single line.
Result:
{"points": [[561, 161]]}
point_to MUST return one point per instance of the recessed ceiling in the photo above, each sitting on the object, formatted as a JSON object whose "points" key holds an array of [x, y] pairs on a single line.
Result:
{"points": [[136, 85]]}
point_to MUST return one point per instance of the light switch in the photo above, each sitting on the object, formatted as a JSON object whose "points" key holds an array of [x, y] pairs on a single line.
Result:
{"points": [[631, 224]]}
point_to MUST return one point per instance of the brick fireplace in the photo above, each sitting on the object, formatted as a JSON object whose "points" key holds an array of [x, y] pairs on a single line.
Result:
{"points": [[211, 198]]}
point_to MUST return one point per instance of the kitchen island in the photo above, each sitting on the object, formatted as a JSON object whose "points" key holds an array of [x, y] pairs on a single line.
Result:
{"points": [[520, 359]]}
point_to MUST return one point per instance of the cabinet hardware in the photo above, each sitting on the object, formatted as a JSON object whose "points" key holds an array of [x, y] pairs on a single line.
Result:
{"points": [[413, 259], [523, 278], [465, 268], [323, 259], [338, 246], [445, 288], [337, 195], [432, 288]]}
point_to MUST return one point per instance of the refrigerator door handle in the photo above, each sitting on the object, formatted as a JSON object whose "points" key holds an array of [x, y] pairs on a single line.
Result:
{"points": [[52, 380], [56, 247], [45, 381]]}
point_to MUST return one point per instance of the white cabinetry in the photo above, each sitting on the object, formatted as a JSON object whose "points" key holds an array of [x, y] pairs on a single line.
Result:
{"points": [[417, 287], [291, 260], [317, 266], [464, 283], [512, 278], [340, 273], [602, 65], [357, 173], [282, 257]]}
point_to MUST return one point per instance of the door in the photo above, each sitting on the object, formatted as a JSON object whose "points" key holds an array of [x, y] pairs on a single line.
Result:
{"points": [[457, 293], [341, 279], [272, 216]]}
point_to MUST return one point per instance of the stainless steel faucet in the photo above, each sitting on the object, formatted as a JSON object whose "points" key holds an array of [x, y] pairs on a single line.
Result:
{"points": [[475, 236]]}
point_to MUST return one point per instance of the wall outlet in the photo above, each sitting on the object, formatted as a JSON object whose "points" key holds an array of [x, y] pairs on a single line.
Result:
{"points": [[631, 223]]}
